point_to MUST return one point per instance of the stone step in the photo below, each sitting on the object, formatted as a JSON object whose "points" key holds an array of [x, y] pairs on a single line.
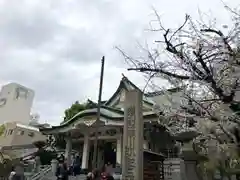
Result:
{"points": [[81, 177]]}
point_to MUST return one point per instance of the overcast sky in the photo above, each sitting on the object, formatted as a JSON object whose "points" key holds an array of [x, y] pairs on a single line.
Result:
{"points": [[54, 46]]}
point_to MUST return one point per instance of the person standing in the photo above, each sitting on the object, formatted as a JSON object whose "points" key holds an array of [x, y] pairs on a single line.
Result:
{"points": [[62, 171], [12, 173], [19, 173], [109, 168], [37, 164], [76, 166], [96, 174]]}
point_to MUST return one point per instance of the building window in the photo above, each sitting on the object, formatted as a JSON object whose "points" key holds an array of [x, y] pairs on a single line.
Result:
{"points": [[21, 93], [3, 101], [10, 131], [31, 134], [20, 132]]}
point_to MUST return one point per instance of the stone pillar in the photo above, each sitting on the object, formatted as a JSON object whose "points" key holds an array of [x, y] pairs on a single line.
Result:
{"points": [[68, 150], [132, 167], [139, 135], [54, 164], [119, 151], [85, 154], [190, 162], [37, 164]]}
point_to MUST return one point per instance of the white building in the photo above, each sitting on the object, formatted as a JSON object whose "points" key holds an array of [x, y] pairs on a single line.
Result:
{"points": [[15, 103], [17, 139]]}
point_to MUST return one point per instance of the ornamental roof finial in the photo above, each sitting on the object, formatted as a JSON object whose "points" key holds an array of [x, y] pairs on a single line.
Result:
{"points": [[124, 77]]}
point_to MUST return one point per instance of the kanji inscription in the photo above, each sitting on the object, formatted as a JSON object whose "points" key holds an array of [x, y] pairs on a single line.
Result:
{"points": [[133, 138], [130, 148]]}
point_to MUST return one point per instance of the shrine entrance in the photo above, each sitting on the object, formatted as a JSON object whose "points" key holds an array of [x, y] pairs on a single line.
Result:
{"points": [[106, 153], [109, 150]]}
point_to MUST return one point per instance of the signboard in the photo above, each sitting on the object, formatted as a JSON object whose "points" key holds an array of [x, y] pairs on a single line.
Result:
{"points": [[133, 137]]}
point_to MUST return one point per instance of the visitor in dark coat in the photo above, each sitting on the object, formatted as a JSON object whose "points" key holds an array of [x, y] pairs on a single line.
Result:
{"points": [[76, 166], [94, 175], [62, 171], [18, 177]]}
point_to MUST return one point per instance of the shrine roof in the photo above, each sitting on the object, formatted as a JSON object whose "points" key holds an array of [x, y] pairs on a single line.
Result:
{"points": [[106, 112], [126, 84]]}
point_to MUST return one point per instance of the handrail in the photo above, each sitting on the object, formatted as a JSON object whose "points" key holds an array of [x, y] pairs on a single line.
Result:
{"points": [[43, 171]]}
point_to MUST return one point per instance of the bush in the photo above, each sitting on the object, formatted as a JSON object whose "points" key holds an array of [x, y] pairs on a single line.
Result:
{"points": [[6, 167], [2, 129], [46, 156]]}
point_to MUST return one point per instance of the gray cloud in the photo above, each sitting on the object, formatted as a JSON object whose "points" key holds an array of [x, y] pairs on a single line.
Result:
{"points": [[26, 27], [55, 47]]}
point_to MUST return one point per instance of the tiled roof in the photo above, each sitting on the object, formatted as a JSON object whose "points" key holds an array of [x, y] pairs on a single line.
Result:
{"points": [[109, 112], [106, 112], [127, 85]]}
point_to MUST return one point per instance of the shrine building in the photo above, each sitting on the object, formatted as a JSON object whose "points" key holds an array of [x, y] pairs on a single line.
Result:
{"points": [[79, 131]]}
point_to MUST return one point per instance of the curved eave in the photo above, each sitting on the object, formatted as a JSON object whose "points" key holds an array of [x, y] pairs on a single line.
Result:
{"points": [[148, 116], [93, 111], [85, 114]]}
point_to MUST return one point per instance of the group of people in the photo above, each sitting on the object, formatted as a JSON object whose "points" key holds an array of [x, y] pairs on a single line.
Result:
{"points": [[104, 174], [64, 171]]}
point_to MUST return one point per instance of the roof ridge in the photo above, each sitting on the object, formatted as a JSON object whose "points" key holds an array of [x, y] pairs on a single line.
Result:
{"points": [[125, 79], [113, 109], [117, 91], [124, 83], [160, 92]]}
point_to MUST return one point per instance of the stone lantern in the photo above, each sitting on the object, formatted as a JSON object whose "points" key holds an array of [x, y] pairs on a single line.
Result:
{"points": [[185, 138], [190, 157]]}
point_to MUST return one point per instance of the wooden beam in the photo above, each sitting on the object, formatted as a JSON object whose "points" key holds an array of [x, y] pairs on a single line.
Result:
{"points": [[99, 138]]}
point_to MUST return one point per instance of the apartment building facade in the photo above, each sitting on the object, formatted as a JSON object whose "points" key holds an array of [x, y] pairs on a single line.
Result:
{"points": [[15, 103]]}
